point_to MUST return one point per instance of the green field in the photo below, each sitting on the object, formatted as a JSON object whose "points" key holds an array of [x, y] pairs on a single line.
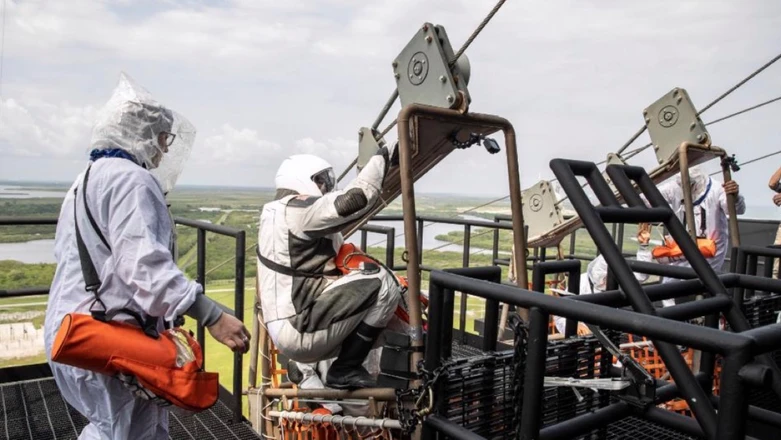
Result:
{"points": [[238, 208]]}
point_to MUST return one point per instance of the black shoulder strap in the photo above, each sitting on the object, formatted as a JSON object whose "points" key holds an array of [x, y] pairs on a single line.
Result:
{"points": [[284, 270], [91, 279]]}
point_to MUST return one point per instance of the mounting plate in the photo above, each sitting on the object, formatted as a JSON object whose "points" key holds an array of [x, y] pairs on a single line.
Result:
{"points": [[540, 212], [671, 121], [367, 146], [422, 71]]}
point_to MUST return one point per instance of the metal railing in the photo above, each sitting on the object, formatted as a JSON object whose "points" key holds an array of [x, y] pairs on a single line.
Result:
{"points": [[202, 228]]}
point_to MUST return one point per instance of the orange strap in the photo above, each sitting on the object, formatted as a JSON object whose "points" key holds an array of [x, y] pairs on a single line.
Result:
{"points": [[115, 347]]}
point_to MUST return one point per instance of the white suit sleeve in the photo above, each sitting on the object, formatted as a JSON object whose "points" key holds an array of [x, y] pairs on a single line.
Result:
{"points": [[139, 230], [322, 215]]}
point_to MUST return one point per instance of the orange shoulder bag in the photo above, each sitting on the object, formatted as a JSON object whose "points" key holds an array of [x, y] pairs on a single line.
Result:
{"points": [[166, 368]]}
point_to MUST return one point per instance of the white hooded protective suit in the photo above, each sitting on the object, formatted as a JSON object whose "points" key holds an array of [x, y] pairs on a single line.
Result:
{"points": [[138, 272], [595, 280], [710, 214]]}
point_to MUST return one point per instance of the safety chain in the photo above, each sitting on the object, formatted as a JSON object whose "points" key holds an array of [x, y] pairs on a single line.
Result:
{"points": [[519, 367], [410, 417]]}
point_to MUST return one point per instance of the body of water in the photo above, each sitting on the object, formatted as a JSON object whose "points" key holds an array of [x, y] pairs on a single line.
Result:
{"points": [[36, 251], [19, 192]]}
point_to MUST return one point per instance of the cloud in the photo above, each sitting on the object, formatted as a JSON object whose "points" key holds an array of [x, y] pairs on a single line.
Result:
{"points": [[36, 128], [261, 79]]}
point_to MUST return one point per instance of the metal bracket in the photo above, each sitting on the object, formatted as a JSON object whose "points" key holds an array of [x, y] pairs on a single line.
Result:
{"points": [[369, 142], [423, 73], [673, 120], [613, 384], [540, 210], [642, 391]]}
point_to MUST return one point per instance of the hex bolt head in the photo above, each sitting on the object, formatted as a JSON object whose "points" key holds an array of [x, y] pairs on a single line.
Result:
{"points": [[442, 78], [395, 64], [428, 38], [397, 75], [450, 98]]}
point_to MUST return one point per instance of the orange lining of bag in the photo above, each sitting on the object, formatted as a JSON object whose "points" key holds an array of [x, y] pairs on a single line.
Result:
{"points": [[117, 347], [670, 249], [350, 257]]}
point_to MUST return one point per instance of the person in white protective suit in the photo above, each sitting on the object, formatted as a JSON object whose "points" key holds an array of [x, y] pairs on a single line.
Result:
{"points": [[312, 312], [594, 280], [710, 214], [138, 150]]}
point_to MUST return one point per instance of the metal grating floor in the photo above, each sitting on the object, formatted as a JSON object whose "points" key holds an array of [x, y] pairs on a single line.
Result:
{"points": [[35, 410]]}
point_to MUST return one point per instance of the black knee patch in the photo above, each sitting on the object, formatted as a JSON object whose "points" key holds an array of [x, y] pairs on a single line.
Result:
{"points": [[350, 202]]}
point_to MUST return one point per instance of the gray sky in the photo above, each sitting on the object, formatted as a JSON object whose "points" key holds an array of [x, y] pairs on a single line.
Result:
{"points": [[261, 79]]}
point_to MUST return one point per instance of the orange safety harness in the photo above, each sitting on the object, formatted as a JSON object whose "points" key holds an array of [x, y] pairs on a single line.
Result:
{"points": [[164, 367], [350, 258]]}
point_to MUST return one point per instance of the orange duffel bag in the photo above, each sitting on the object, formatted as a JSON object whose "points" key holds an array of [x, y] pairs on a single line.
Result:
{"points": [[170, 366], [670, 251]]}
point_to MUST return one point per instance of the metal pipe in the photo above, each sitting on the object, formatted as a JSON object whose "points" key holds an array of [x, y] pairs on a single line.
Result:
{"points": [[238, 357], [614, 214], [764, 339], [695, 309], [385, 109], [337, 420], [26, 291], [569, 429], [662, 270], [755, 413], [408, 202], [733, 409], [380, 394], [22, 221], [688, 203], [410, 234], [734, 231], [450, 429], [675, 421], [201, 279], [625, 320], [206, 226], [534, 375]]}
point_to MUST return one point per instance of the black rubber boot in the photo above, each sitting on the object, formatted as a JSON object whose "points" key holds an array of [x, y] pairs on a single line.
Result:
{"points": [[347, 373], [293, 373]]}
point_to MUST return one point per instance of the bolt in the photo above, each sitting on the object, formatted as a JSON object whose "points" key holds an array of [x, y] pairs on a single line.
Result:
{"points": [[450, 98], [397, 75], [693, 126], [425, 28], [442, 78], [700, 137], [423, 61], [395, 64], [678, 101], [411, 76], [647, 119], [428, 38], [675, 91]]}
